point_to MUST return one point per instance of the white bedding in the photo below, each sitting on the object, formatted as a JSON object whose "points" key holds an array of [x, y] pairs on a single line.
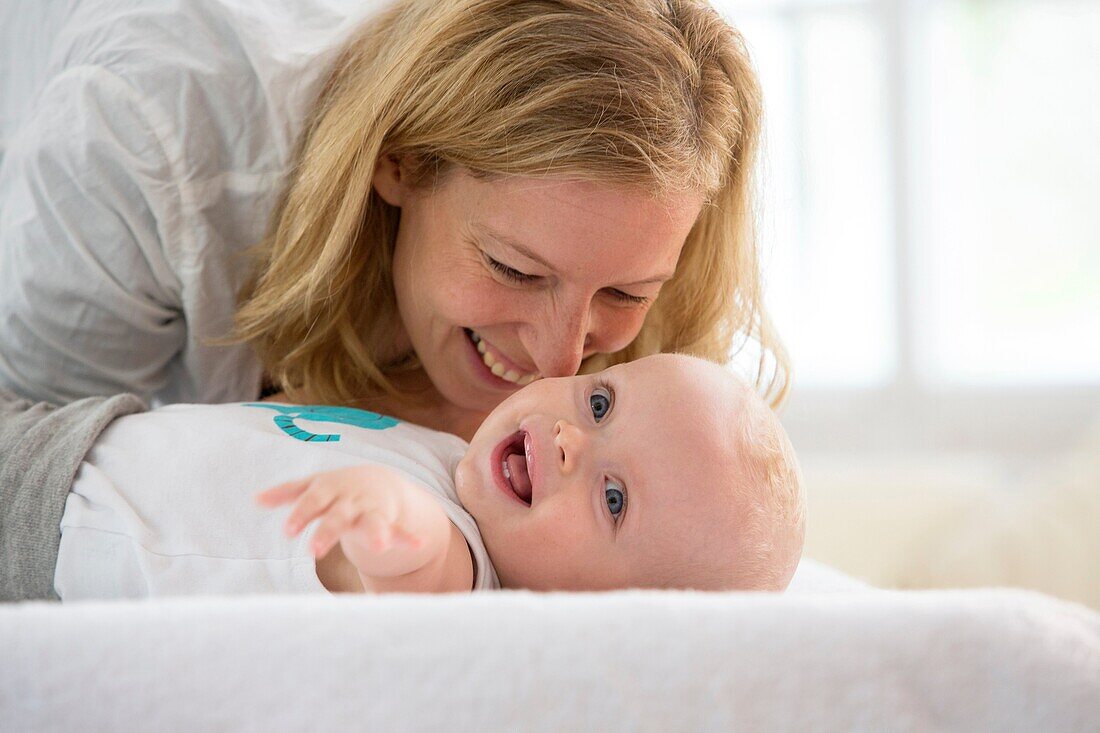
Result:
{"points": [[865, 660]]}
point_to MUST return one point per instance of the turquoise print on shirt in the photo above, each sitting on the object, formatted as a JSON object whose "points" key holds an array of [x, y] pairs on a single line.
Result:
{"points": [[323, 413]]}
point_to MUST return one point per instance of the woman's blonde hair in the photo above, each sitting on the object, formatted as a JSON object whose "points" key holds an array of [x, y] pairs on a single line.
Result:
{"points": [[652, 94]]}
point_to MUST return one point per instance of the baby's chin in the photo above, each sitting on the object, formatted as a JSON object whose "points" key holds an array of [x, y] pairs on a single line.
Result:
{"points": [[471, 487], [465, 479]]}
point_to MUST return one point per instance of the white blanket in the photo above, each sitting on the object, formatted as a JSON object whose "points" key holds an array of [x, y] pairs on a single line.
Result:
{"points": [[873, 660]]}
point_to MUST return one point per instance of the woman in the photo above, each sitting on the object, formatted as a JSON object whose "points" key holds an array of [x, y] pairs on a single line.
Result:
{"points": [[484, 192]]}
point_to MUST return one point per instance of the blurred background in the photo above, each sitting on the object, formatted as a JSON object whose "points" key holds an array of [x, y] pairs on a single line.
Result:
{"points": [[931, 230]]}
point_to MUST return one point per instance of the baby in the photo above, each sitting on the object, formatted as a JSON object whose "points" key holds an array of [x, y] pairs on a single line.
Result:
{"points": [[666, 472]]}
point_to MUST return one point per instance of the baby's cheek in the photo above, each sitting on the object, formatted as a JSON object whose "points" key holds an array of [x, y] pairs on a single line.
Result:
{"points": [[559, 534]]}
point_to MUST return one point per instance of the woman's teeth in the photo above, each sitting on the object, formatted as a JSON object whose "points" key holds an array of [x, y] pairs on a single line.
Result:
{"points": [[497, 367]]}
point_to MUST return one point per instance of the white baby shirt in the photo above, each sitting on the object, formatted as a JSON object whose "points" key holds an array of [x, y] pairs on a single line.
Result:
{"points": [[164, 505]]}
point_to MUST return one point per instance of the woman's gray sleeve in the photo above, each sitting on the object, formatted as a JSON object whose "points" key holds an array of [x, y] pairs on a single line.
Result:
{"points": [[41, 448]]}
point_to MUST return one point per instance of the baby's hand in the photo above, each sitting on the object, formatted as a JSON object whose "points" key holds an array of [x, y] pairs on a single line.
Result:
{"points": [[358, 506]]}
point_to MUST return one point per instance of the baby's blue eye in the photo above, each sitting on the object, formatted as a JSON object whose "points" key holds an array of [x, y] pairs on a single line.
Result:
{"points": [[600, 402], [615, 498]]}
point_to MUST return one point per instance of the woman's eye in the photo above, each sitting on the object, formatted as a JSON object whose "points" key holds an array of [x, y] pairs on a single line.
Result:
{"points": [[623, 297], [509, 272], [615, 497], [600, 402]]}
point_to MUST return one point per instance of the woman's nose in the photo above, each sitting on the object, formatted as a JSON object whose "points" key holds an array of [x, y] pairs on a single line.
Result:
{"points": [[569, 440], [557, 344]]}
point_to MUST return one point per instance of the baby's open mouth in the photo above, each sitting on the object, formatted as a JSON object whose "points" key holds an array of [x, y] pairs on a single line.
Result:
{"points": [[513, 464]]}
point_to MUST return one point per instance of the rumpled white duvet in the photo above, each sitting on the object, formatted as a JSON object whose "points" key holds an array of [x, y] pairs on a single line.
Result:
{"points": [[809, 659]]}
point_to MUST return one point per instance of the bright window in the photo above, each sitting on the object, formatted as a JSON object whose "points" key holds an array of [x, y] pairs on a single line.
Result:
{"points": [[1006, 123], [930, 224]]}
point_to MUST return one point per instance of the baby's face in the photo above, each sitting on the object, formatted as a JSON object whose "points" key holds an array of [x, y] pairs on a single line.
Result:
{"points": [[607, 480]]}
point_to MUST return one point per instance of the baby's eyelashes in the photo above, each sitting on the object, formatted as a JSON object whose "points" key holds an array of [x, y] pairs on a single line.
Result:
{"points": [[600, 402], [615, 497]]}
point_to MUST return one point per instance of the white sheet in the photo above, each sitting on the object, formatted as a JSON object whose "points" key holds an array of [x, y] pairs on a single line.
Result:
{"points": [[873, 660]]}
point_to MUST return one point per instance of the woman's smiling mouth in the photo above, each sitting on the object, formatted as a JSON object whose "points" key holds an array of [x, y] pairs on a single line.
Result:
{"points": [[497, 363]]}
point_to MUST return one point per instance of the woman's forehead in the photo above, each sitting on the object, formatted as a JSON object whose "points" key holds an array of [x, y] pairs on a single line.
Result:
{"points": [[542, 199], [579, 227]]}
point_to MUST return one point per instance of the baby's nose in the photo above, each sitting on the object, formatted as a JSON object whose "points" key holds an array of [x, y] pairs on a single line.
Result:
{"points": [[569, 441]]}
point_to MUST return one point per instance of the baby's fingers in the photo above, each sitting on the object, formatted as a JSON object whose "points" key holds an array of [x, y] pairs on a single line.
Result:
{"points": [[337, 520], [312, 504], [401, 537], [283, 493], [377, 532]]}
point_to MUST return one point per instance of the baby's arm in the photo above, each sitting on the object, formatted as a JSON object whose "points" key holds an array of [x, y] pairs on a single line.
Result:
{"points": [[394, 533]]}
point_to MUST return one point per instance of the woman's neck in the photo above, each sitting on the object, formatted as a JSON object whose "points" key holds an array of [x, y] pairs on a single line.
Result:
{"points": [[426, 407], [436, 414]]}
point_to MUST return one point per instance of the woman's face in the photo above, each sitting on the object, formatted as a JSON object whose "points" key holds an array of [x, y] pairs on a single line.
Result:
{"points": [[501, 282]]}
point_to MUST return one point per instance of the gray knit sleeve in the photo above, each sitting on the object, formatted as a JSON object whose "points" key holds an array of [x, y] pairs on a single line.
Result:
{"points": [[41, 448]]}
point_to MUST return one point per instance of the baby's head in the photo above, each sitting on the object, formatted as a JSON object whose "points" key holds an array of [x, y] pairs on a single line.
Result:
{"points": [[665, 472]]}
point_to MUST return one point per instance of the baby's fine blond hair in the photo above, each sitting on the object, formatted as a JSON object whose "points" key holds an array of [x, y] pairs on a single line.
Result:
{"points": [[758, 500], [772, 488], [657, 95]]}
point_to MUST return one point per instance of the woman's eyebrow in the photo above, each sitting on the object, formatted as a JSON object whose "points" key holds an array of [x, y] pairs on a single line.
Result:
{"points": [[487, 231]]}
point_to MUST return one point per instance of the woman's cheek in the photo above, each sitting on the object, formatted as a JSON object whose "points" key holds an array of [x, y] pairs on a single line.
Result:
{"points": [[617, 327], [497, 303], [462, 287]]}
